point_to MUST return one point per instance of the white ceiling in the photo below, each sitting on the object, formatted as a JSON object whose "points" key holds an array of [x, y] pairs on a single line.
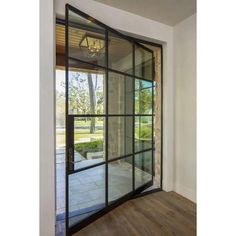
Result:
{"points": [[169, 12]]}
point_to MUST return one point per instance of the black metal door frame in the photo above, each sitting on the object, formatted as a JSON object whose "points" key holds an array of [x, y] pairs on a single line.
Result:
{"points": [[69, 125]]}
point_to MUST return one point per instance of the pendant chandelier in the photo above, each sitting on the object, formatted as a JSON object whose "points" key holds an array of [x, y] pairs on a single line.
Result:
{"points": [[93, 44]]}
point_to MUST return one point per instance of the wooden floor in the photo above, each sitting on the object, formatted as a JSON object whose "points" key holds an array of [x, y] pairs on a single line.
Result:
{"points": [[157, 214]]}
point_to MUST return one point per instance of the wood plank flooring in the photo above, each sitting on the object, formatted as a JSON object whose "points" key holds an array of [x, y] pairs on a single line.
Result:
{"points": [[157, 214]]}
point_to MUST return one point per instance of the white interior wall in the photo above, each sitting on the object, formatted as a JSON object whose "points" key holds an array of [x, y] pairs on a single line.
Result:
{"points": [[47, 138], [185, 107]]}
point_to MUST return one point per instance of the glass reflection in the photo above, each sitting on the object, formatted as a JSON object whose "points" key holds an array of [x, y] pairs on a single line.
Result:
{"points": [[119, 178], [143, 63], [143, 133], [89, 143], [143, 168]]}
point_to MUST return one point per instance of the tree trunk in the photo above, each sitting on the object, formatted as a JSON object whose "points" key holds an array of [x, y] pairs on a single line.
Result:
{"points": [[92, 98]]}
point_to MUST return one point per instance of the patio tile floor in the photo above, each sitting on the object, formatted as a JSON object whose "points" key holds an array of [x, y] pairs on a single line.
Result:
{"points": [[87, 188]]}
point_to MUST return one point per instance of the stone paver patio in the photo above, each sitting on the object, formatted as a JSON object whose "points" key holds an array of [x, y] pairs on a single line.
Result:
{"points": [[87, 188]]}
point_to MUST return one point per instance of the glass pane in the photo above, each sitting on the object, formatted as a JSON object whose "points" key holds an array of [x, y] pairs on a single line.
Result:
{"points": [[119, 178], [120, 54], [143, 63], [120, 99], [120, 136], [89, 145], [86, 40], [60, 139], [143, 97], [86, 193], [143, 133], [86, 89], [143, 168], [60, 151]]}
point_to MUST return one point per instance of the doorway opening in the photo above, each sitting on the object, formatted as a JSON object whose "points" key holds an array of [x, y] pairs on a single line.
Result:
{"points": [[108, 119]]}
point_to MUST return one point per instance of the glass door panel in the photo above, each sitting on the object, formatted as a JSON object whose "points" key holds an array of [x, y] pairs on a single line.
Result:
{"points": [[120, 53], [86, 193], [143, 133], [143, 62], [89, 141], [143, 97], [109, 118], [120, 94], [143, 168], [120, 180], [120, 136], [86, 40], [86, 89]]}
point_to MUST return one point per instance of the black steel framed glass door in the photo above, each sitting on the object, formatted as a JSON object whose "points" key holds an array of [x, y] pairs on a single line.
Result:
{"points": [[109, 118]]}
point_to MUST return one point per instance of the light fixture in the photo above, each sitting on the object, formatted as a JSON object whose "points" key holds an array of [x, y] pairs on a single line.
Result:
{"points": [[94, 44]]}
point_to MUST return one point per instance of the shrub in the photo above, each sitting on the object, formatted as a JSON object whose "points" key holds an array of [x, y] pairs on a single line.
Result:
{"points": [[145, 132], [92, 146]]}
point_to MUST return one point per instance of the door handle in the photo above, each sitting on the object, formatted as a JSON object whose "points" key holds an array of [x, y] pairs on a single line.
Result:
{"points": [[70, 158]]}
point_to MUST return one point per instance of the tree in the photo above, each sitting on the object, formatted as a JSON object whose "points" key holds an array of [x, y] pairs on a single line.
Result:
{"points": [[78, 95], [86, 95], [146, 100], [60, 108], [143, 98], [92, 98]]}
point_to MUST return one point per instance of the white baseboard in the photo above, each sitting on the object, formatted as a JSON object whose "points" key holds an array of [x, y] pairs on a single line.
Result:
{"points": [[186, 192]]}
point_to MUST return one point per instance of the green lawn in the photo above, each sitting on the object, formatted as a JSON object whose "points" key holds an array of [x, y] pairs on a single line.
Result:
{"points": [[144, 133], [83, 133], [87, 123]]}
